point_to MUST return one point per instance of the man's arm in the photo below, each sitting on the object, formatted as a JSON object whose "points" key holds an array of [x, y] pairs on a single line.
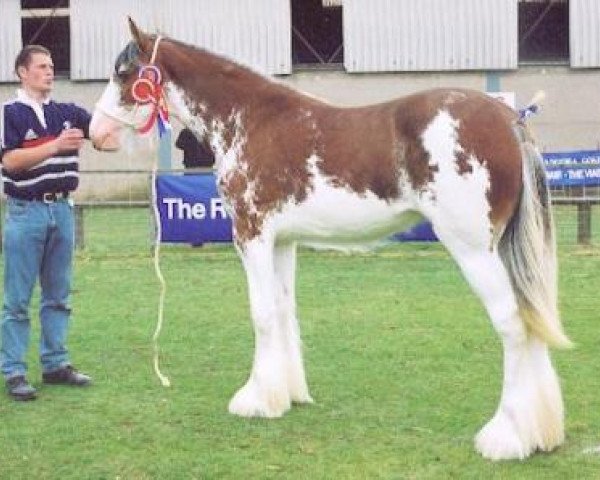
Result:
{"points": [[21, 159], [82, 120]]}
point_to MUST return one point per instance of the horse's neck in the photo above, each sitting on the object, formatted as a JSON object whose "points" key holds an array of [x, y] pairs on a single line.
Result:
{"points": [[212, 87]]}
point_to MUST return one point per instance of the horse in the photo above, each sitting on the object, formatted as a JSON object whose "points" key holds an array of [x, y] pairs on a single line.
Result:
{"points": [[292, 169]]}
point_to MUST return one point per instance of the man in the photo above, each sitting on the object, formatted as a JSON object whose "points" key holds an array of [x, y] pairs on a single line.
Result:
{"points": [[39, 153]]}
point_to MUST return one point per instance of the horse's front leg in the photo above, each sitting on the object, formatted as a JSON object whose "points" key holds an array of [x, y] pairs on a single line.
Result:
{"points": [[266, 393], [285, 289]]}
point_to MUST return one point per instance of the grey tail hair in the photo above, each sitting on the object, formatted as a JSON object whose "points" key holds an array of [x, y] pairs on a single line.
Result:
{"points": [[528, 250]]}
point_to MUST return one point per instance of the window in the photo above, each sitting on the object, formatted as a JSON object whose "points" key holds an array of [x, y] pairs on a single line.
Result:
{"points": [[44, 4], [317, 37], [46, 22], [543, 30]]}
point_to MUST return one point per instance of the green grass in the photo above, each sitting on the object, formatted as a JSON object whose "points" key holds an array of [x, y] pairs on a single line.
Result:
{"points": [[401, 360]]}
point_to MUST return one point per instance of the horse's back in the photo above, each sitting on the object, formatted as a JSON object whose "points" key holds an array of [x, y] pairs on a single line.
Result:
{"points": [[443, 148]]}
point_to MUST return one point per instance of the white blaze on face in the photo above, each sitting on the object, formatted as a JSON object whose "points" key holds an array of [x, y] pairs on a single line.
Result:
{"points": [[453, 199], [113, 122]]}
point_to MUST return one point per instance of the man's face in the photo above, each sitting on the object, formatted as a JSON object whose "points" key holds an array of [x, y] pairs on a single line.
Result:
{"points": [[38, 76]]}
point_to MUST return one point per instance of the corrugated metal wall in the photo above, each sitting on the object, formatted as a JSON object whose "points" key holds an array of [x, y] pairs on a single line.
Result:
{"points": [[379, 35], [419, 35], [10, 41], [99, 31], [584, 33], [254, 33]]}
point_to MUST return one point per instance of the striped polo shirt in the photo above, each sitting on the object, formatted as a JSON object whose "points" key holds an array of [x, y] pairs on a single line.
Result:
{"points": [[24, 123]]}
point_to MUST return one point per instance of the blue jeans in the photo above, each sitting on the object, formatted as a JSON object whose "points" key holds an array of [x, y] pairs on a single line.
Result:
{"points": [[38, 242]]}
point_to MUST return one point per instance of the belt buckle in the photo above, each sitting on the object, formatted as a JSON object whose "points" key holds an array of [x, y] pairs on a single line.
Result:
{"points": [[49, 197]]}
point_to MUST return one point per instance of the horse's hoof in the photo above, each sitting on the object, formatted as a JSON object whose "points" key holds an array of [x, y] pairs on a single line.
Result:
{"points": [[498, 440], [302, 399], [250, 402]]}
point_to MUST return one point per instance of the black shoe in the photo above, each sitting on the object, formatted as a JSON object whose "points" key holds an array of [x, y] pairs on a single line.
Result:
{"points": [[19, 388], [66, 376]]}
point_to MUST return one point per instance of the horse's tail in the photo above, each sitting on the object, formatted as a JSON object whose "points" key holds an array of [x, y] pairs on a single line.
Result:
{"points": [[528, 250]]}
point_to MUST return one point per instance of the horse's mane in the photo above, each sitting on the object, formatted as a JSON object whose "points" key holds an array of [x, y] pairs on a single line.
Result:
{"points": [[218, 60], [230, 68]]}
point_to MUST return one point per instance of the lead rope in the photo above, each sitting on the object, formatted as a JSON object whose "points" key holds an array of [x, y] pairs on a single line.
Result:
{"points": [[164, 380]]}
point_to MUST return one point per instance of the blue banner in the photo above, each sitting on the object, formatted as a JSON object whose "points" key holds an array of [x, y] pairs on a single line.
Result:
{"points": [[191, 210], [576, 169], [421, 232]]}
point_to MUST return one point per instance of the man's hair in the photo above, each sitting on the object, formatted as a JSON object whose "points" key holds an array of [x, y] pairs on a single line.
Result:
{"points": [[24, 57]]}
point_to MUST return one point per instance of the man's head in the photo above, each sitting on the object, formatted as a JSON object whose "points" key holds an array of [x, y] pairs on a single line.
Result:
{"points": [[35, 69]]}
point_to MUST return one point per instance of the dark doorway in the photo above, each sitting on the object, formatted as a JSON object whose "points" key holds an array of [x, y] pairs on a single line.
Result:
{"points": [[44, 24], [543, 31], [317, 37]]}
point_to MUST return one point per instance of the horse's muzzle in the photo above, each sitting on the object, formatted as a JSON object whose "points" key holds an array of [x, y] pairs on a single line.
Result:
{"points": [[104, 132]]}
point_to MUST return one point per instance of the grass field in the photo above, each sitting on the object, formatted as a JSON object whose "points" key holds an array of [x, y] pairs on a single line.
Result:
{"points": [[402, 363]]}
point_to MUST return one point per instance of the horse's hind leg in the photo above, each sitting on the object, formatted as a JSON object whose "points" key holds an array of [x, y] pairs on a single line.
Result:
{"points": [[285, 288], [265, 394], [530, 413]]}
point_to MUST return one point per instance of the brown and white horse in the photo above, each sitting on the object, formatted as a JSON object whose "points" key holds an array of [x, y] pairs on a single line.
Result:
{"points": [[292, 169]]}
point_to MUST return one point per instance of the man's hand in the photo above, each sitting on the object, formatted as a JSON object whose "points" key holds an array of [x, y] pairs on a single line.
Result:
{"points": [[69, 139]]}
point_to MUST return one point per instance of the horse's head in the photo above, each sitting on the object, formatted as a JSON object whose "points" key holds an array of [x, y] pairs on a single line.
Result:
{"points": [[133, 99]]}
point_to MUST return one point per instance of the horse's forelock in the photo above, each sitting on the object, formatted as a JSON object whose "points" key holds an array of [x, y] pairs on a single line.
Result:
{"points": [[128, 57]]}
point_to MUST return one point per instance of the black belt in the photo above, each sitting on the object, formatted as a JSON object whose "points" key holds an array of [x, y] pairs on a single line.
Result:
{"points": [[47, 197]]}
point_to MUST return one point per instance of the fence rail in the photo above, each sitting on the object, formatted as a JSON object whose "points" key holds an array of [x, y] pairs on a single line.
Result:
{"points": [[584, 216], [79, 211]]}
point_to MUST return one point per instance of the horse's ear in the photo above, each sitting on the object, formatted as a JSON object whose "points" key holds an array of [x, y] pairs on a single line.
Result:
{"points": [[138, 36]]}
